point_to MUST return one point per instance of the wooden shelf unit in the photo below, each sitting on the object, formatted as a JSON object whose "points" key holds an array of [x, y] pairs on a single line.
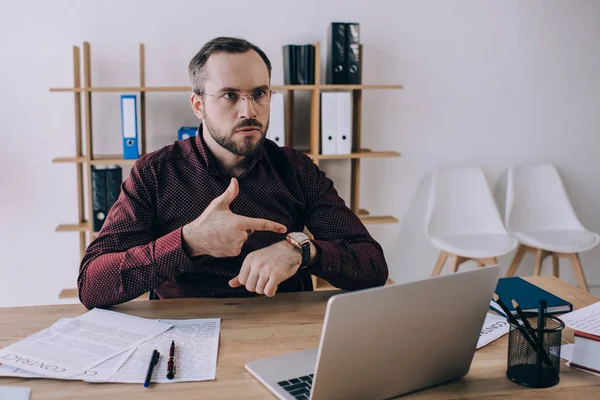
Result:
{"points": [[84, 158]]}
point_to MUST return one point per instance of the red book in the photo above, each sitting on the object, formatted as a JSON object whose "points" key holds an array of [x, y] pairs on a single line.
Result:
{"points": [[586, 354]]}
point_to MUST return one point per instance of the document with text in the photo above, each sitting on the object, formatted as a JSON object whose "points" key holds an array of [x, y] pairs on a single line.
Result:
{"points": [[586, 319], [494, 327], [73, 346], [101, 372], [196, 350]]}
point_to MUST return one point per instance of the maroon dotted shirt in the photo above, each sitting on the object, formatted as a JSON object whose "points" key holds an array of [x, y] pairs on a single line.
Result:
{"points": [[140, 247]]}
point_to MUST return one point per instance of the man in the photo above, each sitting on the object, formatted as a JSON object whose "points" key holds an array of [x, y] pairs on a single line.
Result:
{"points": [[222, 214]]}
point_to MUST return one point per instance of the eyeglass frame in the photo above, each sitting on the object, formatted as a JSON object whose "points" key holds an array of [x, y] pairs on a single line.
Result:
{"points": [[242, 95]]}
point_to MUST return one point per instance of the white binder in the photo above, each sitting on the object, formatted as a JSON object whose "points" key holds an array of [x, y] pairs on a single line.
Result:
{"points": [[276, 131], [329, 122], [344, 123]]}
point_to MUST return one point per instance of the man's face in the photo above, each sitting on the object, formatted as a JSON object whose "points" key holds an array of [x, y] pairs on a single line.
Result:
{"points": [[234, 120]]}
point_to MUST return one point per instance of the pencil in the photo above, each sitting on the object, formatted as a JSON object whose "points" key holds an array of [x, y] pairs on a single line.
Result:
{"points": [[523, 317]]}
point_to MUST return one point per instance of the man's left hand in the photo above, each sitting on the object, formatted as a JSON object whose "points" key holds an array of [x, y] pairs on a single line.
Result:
{"points": [[263, 270]]}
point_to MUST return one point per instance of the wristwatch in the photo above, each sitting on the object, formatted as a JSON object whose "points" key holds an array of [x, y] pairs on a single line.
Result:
{"points": [[302, 242]]}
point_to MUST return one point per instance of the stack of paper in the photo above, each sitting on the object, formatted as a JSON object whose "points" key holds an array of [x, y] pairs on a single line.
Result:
{"points": [[584, 353], [106, 346]]}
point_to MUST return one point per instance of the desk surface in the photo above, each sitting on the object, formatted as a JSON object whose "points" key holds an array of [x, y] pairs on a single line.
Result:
{"points": [[259, 327]]}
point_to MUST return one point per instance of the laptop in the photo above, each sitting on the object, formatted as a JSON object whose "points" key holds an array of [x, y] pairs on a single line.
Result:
{"points": [[387, 341]]}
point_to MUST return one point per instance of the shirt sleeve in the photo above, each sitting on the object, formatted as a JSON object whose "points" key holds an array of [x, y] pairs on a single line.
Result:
{"points": [[350, 258], [126, 259]]}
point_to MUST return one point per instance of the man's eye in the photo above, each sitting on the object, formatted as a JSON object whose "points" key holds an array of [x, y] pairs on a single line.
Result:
{"points": [[259, 94], [230, 96]]}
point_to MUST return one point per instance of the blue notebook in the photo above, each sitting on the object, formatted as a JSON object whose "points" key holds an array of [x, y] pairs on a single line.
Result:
{"points": [[527, 295]]}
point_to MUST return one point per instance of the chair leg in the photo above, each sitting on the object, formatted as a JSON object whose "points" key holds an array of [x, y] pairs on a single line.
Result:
{"points": [[456, 262], [439, 265], [539, 257], [516, 261], [576, 262], [555, 265]]}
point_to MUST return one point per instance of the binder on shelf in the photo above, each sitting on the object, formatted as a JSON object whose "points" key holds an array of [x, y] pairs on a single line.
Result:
{"points": [[336, 54], [528, 296], [129, 127], [289, 64], [352, 53], [329, 122], [276, 130], [186, 131], [344, 123], [114, 179], [299, 64], [99, 200], [106, 188]]}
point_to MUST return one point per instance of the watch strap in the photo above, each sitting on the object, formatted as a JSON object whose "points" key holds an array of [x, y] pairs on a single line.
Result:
{"points": [[305, 254]]}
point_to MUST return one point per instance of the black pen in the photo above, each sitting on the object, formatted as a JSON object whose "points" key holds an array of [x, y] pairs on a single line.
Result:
{"points": [[153, 362]]}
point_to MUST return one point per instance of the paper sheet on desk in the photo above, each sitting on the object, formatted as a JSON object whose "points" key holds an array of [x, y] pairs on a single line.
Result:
{"points": [[566, 352], [196, 349], [101, 372], [586, 319], [493, 328], [72, 346]]}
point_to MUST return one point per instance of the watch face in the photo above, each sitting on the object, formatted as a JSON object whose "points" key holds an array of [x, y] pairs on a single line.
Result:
{"points": [[298, 237]]}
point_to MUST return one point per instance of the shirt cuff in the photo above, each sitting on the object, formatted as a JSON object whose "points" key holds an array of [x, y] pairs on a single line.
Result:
{"points": [[328, 256], [169, 255]]}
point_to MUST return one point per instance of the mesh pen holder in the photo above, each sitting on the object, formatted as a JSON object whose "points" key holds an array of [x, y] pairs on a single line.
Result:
{"points": [[534, 356]]}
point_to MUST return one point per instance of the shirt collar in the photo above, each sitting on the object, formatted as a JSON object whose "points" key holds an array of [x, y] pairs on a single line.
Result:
{"points": [[211, 161]]}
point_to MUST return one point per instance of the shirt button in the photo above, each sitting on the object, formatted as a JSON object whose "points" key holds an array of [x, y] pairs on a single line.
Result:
{"points": [[181, 269]]}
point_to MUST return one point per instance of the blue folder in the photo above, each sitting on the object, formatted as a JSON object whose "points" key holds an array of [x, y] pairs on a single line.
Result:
{"points": [[528, 296], [129, 127]]}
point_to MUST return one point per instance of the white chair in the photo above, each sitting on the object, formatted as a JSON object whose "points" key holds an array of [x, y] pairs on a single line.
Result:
{"points": [[540, 216], [463, 220]]}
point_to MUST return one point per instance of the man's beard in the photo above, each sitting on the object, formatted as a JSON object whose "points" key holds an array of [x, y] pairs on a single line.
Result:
{"points": [[247, 147]]}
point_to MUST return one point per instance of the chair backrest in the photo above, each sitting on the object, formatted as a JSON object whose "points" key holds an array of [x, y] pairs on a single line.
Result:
{"points": [[460, 202], [536, 200]]}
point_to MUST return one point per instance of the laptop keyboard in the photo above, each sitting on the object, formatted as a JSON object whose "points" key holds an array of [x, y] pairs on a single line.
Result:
{"points": [[298, 387]]}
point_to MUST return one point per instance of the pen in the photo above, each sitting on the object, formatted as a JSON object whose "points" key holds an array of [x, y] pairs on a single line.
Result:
{"points": [[171, 363], [541, 325], [511, 318], [153, 362]]}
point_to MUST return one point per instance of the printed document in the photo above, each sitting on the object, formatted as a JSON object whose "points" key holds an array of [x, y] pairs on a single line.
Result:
{"points": [[73, 346], [493, 328], [586, 319], [196, 349]]}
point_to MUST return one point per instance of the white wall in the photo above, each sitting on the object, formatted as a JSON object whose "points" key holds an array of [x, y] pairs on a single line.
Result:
{"points": [[486, 82]]}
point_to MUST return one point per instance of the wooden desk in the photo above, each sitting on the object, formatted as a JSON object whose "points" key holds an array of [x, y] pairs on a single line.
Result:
{"points": [[261, 327]]}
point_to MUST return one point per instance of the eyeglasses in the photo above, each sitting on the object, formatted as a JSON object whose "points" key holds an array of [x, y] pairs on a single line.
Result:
{"points": [[231, 99]]}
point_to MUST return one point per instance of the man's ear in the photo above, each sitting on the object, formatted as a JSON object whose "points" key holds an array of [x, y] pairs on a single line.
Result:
{"points": [[197, 106]]}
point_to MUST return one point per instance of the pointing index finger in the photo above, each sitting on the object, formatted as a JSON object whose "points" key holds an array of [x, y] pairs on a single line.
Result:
{"points": [[259, 224]]}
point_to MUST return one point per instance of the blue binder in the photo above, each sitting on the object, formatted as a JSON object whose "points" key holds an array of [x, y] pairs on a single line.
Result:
{"points": [[129, 126], [527, 295], [186, 131]]}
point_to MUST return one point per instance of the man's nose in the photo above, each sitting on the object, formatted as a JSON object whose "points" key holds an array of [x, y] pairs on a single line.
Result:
{"points": [[247, 108]]}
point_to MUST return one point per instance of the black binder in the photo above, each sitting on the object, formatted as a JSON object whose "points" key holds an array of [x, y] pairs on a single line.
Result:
{"points": [[353, 53], [114, 179], [99, 203], [289, 64], [299, 64], [106, 188], [336, 54]]}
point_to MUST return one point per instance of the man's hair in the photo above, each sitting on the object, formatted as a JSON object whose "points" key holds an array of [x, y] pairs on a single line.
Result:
{"points": [[219, 45]]}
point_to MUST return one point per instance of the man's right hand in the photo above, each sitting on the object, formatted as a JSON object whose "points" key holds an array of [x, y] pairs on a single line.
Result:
{"points": [[220, 233]]}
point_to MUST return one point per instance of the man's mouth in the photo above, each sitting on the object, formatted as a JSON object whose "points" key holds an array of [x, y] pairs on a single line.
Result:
{"points": [[250, 130]]}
